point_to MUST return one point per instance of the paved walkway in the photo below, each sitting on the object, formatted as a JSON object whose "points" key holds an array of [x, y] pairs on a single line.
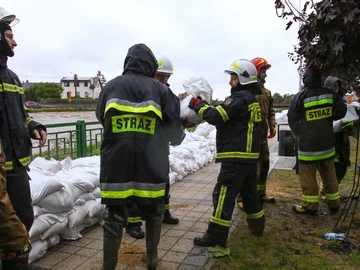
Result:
{"points": [[191, 201]]}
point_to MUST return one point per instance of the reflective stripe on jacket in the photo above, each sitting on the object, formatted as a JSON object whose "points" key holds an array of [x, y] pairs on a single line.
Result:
{"points": [[237, 121], [16, 126]]}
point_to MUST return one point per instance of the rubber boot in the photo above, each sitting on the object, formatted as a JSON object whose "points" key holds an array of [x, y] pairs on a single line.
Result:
{"points": [[153, 232], [256, 226], [110, 252], [170, 219]]}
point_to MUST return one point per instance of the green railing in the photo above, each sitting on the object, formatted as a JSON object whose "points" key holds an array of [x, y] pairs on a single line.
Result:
{"points": [[76, 139]]}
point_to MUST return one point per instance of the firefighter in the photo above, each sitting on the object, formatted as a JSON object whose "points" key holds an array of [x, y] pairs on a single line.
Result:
{"points": [[342, 142], [268, 124], [238, 117], [164, 71], [16, 129], [310, 117], [140, 117]]}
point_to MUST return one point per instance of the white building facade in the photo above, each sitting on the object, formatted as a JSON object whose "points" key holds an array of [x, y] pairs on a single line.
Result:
{"points": [[84, 87]]}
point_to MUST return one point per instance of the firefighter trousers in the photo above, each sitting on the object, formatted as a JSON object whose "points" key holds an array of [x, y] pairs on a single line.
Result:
{"points": [[18, 188], [263, 167], [310, 187], [115, 218], [235, 178], [134, 217]]}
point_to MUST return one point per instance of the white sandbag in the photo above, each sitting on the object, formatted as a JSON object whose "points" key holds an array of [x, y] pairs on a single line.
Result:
{"points": [[204, 129], [42, 184], [173, 177], [66, 163], [93, 161], [88, 222], [79, 213], [37, 211], [186, 112], [54, 229], [78, 186], [199, 87], [351, 115], [96, 192], [97, 209], [59, 201], [51, 165], [89, 174], [70, 233], [45, 221], [38, 249], [85, 197]]}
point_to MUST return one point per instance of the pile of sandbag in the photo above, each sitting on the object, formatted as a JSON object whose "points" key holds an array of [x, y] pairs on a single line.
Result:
{"points": [[66, 199], [66, 194]]}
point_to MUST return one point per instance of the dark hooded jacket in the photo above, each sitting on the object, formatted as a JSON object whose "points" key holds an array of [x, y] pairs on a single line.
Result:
{"points": [[311, 117], [238, 124], [16, 127], [140, 116]]}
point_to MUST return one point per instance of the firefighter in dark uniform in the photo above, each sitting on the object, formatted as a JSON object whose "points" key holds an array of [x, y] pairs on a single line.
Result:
{"points": [[310, 117], [165, 70], [15, 131], [342, 142], [140, 117], [237, 121]]}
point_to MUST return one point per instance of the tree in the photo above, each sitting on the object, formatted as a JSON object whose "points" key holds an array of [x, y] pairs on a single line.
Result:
{"points": [[46, 90], [329, 36], [31, 95], [278, 99]]}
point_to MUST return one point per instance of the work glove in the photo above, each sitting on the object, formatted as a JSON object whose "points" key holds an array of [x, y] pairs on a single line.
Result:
{"points": [[349, 125], [193, 102], [272, 132]]}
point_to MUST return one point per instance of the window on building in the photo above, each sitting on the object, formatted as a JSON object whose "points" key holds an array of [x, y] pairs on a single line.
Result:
{"points": [[77, 84], [66, 84], [86, 94], [86, 84]]}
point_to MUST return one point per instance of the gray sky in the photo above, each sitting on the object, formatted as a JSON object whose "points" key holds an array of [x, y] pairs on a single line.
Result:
{"points": [[201, 38]]}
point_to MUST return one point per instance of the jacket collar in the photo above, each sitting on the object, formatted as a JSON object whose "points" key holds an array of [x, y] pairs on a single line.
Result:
{"points": [[3, 61]]}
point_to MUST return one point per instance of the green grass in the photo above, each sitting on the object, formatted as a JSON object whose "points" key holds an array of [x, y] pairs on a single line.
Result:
{"points": [[294, 241]]}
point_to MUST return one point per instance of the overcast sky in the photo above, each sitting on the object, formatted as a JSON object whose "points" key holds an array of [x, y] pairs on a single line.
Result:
{"points": [[201, 38]]}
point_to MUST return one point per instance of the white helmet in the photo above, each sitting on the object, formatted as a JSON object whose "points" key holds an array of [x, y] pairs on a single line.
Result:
{"points": [[245, 69], [164, 64], [6, 17]]}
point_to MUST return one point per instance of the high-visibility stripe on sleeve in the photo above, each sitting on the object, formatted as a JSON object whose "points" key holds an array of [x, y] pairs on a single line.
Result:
{"points": [[222, 113]]}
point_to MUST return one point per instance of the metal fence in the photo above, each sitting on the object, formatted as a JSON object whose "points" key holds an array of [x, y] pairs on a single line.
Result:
{"points": [[75, 140]]}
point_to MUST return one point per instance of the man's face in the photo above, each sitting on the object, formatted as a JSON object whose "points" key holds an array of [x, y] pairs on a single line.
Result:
{"points": [[10, 39], [234, 80], [262, 74], [162, 77]]}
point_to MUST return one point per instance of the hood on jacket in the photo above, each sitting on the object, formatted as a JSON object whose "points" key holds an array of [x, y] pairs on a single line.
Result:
{"points": [[331, 83], [312, 77], [140, 60]]}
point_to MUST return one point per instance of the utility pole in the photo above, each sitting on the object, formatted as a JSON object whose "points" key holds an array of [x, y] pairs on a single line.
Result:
{"points": [[75, 84]]}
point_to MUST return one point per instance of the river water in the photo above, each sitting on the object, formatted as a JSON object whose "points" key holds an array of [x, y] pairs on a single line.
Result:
{"points": [[63, 117]]}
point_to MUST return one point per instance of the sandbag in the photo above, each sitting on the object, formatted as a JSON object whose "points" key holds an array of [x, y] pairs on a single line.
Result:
{"points": [[196, 87]]}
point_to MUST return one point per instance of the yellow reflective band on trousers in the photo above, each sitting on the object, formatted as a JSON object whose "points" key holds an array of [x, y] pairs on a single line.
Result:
{"points": [[225, 155], [133, 123], [222, 113], [134, 220], [261, 187], [219, 208], [310, 199], [320, 113], [24, 161], [255, 215], [313, 156], [7, 87], [132, 107], [333, 196], [201, 111]]}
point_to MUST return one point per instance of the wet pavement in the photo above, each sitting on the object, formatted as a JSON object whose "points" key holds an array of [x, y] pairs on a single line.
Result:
{"points": [[191, 202]]}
